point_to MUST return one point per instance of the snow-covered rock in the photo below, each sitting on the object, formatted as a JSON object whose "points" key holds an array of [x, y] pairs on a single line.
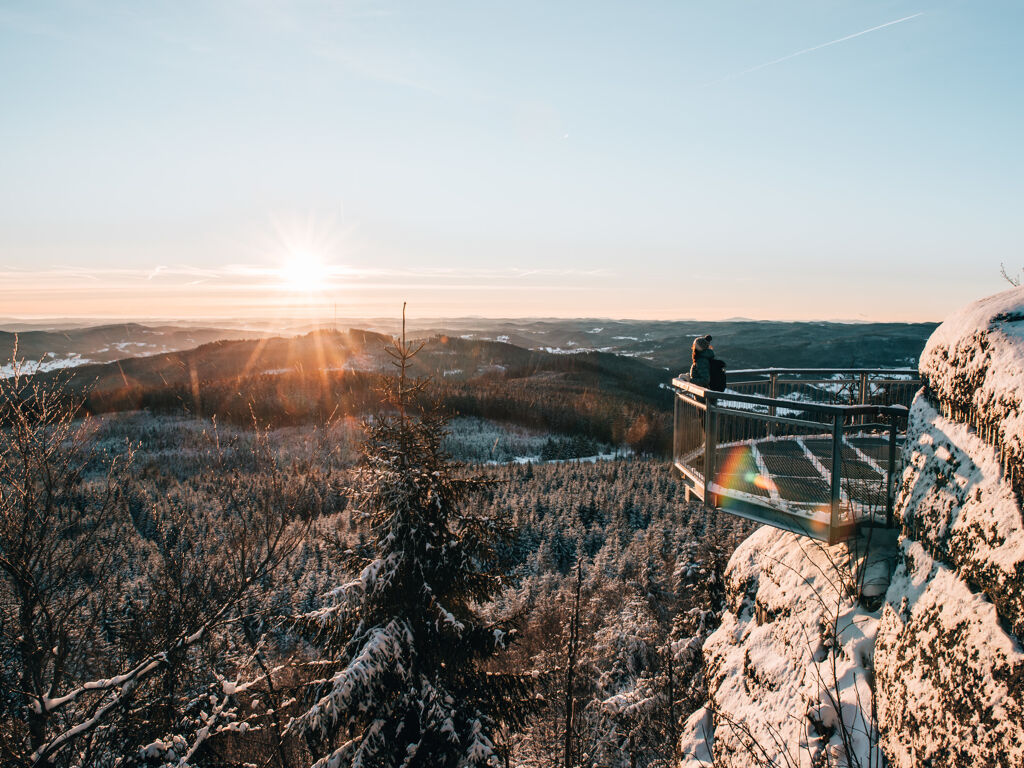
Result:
{"points": [[956, 502], [949, 664], [973, 365], [789, 669], [800, 673], [949, 678]]}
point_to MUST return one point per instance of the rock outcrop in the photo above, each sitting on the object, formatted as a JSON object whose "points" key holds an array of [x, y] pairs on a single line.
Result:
{"points": [[949, 664], [801, 674]]}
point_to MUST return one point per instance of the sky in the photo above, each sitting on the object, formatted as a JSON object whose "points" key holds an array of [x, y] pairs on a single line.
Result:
{"points": [[823, 159]]}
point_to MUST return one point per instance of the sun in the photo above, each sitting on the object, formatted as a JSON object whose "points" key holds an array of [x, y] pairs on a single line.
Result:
{"points": [[304, 272]]}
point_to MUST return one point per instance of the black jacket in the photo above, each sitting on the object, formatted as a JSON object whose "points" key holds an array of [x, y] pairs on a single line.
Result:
{"points": [[700, 371]]}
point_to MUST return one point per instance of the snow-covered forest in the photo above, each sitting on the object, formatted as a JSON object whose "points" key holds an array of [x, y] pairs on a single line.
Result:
{"points": [[178, 591], [394, 584]]}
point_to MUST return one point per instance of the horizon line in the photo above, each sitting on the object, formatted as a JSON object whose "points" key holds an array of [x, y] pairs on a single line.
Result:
{"points": [[214, 320]]}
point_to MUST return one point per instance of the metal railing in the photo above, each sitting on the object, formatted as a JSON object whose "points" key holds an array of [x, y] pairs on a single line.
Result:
{"points": [[815, 451]]}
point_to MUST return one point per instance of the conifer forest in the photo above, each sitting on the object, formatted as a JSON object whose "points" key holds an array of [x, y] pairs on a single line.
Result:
{"points": [[394, 587]]}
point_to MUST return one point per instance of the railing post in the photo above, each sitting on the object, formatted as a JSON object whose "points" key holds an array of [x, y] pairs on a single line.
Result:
{"points": [[890, 500], [773, 392], [676, 429], [837, 469], [863, 396], [710, 444]]}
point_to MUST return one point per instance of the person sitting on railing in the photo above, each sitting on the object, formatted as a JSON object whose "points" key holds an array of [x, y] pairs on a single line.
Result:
{"points": [[703, 354]]}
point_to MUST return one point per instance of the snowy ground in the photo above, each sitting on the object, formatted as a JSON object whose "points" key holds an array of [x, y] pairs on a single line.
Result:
{"points": [[974, 362], [536, 459], [48, 363], [789, 668], [950, 674], [490, 442]]}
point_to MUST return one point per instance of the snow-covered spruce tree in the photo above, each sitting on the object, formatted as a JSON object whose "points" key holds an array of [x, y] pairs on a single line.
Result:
{"points": [[111, 640], [407, 644]]}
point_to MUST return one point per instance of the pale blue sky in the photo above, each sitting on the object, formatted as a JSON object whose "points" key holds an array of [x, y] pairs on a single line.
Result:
{"points": [[511, 159]]}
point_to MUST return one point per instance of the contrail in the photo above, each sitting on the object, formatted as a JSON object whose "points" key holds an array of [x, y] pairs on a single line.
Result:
{"points": [[812, 48]]}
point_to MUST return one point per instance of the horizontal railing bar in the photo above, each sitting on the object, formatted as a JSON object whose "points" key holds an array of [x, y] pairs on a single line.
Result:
{"points": [[768, 371], [800, 381], [792, 382], [693, 477], [690, 400], [834, 382], [687, 386], [850, 410], [769, 417], [866, 426]]}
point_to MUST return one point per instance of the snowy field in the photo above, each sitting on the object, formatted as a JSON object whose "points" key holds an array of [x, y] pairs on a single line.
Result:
{"points": [[469, 440]]}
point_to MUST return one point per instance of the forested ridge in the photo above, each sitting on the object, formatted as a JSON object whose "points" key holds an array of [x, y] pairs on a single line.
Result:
{"points": [[170, 581], [664, 345], [287, 382]]}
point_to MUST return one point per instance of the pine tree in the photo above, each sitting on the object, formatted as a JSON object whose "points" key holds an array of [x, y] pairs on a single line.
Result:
{"points": [[410, 686]]}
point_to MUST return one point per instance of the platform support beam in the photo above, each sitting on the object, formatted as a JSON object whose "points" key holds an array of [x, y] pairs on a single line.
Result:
{"points": [[862, 396], [710, 444], [837, 469], [890, 500]]}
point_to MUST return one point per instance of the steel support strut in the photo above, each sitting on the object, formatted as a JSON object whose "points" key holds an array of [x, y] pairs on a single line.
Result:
{"points": [[890, 501], [837, 471], [710, 443]]}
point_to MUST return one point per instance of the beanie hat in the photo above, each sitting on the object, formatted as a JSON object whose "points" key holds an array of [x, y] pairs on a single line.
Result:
{"points": [[702, 342]]}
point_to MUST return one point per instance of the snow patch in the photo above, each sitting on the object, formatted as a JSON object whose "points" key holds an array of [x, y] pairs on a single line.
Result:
{"points": [[49, 362], [789, 669]]}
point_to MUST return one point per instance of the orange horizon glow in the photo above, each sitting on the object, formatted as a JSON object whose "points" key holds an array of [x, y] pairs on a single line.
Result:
{"points": [[307, 286]]}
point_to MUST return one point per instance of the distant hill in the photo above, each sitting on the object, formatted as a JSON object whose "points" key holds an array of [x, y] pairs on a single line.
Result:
{"points": [[294, 380], [231, 360], [104, 343], [743, 343], [562, 386], [800, 345], [665, 345], [444, 358]]}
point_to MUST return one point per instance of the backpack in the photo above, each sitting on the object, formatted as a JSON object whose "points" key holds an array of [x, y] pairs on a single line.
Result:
{"points": [[717, 375]]}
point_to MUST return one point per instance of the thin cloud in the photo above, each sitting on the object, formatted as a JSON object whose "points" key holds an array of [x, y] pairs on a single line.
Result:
{"points": [[781, 59], [500, 273], [258, 277]]}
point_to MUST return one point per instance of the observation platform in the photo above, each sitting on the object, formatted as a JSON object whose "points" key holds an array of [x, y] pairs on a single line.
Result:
{"points": [[810, 450]]}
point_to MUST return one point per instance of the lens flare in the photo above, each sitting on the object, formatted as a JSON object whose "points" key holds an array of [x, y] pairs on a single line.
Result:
{"points": [[762, 482], [739, 472]]}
